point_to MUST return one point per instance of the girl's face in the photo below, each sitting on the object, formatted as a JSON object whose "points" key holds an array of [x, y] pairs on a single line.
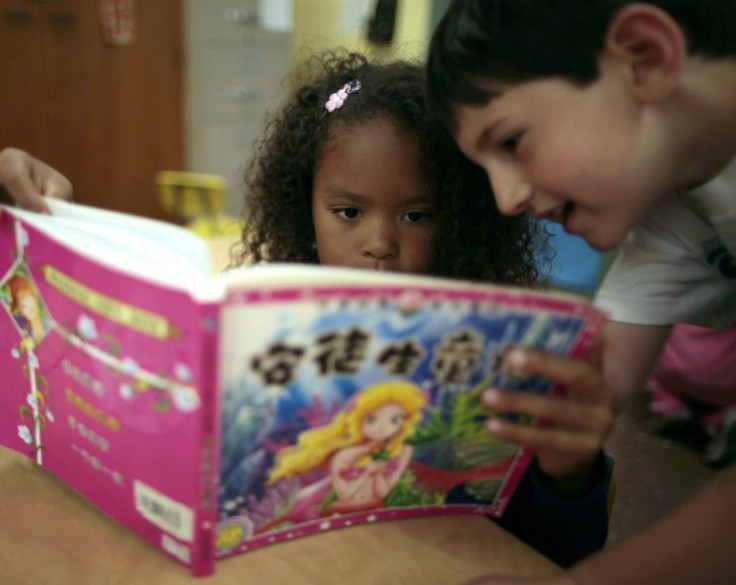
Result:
{"points": [[372, 204], [27, 305], [384, 422]]}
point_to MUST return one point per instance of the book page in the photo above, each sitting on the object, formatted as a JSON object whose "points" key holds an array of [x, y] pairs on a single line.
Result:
{"points": [[147, 248], [239, 279]]}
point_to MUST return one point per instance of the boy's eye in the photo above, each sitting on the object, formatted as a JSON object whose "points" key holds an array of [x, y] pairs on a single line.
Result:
{"points": [[511, 144], [348, 213], [417, 216]]}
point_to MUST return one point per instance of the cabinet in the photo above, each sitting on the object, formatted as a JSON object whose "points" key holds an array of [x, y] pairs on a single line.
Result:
{"points": [[106, 116], [236, 71]]}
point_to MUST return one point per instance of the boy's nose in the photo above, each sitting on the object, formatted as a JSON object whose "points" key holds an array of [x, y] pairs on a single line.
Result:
{"points": [[511, 191], [381, 242]]}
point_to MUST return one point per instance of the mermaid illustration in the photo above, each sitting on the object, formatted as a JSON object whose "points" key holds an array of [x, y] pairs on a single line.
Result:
{"points": [[363, 449]]}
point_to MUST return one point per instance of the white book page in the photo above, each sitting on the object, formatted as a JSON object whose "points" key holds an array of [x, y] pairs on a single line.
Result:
{"points": [[291, 274], [147, 248]]}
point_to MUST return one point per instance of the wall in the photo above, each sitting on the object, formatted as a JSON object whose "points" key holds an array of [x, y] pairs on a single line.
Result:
{"points": [[106, 115], [321, 24], [237, 71], [235, 68]]}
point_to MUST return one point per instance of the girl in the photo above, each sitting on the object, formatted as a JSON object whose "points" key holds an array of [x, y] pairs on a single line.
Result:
{"points": [[374, 184]]}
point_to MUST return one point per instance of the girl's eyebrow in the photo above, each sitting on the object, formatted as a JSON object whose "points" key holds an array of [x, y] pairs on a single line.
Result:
{"points": [[338, 194]]}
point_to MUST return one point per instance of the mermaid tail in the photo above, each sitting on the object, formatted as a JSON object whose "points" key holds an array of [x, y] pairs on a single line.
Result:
{"points": [[305, 507], [437, 479]]}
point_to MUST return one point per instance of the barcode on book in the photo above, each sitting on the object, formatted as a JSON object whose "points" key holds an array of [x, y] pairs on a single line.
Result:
{"points": [[159, 509]]}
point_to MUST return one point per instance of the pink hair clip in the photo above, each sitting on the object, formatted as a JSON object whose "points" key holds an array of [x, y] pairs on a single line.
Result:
{"points": [[338, 98]]}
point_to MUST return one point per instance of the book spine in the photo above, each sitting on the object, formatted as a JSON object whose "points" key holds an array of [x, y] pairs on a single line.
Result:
{"points": [[209, 447]]}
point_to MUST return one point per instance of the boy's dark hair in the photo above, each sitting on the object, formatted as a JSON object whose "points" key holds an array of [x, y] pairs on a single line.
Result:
{"points": [[520, 40], [476, 241]]}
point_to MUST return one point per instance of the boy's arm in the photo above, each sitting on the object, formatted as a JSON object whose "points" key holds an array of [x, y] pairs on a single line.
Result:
{"points": [[564, 528], [629, 352], [694, 544], [26, 181]]}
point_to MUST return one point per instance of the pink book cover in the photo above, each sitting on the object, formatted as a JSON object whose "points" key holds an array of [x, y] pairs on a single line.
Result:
{"points": [[359, 401], [108, 383], [272, 402]]}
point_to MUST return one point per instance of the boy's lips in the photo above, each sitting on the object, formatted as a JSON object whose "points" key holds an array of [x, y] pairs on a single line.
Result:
{"points": [[558, 214]]}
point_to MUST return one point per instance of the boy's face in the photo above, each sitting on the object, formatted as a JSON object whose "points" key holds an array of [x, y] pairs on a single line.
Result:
{"points": [[573, 155], [371, 203]]}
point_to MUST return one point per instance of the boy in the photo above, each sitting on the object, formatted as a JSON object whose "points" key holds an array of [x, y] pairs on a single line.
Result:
{"points": [[610, 117]]}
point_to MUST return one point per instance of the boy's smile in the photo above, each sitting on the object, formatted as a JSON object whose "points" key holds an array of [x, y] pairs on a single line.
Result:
{"points": [[569, 154]]}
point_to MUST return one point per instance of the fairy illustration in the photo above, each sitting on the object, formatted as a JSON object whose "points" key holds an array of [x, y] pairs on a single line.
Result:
{"points": [[25, 306], [364, 449]]}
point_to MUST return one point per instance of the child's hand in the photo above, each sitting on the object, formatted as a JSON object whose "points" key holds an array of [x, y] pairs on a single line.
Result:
{"points": [[27, 180], [579, 422]]}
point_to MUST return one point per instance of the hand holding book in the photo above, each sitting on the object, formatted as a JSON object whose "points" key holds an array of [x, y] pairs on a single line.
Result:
{"points": [[568, 446], [27, 180]]}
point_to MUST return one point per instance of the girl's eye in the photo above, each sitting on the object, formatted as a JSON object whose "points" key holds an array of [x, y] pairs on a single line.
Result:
{"points": [[398, 419], [347, 213], [417, 216], [369, 419], [511, 144]]}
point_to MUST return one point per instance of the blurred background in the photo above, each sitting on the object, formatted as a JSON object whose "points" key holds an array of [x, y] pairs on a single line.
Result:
{"points": [[113, 92]]}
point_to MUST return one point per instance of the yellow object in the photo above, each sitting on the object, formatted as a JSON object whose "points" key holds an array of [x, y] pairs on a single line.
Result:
{"points": [[197, 200], [216, 224], [188, 195]]}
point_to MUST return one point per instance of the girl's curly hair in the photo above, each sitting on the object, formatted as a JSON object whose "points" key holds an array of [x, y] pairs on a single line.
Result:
{"points": [[477, 242]]}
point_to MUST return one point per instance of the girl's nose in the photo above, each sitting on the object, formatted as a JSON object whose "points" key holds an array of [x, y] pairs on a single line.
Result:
{"points": [[511, 191], [381, 242]]}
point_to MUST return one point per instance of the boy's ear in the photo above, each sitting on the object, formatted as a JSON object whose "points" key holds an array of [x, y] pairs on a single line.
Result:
{"points": [[651, 46]]}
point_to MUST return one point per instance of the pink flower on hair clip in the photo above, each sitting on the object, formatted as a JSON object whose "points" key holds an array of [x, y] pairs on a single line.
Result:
{"points": [[338, 98]]}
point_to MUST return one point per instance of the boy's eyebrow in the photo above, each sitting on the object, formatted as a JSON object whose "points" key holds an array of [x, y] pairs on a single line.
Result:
{"points": [[487, 135]]}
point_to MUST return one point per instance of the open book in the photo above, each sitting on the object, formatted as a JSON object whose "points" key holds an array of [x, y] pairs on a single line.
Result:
{"points": [[216, 414]]}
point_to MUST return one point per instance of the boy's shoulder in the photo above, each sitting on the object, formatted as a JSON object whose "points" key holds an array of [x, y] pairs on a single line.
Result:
{"points": [[678, 263], [716, 201]]}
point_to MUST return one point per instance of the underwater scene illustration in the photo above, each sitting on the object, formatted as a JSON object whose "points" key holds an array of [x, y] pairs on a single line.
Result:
{"points": [[355, 409]]}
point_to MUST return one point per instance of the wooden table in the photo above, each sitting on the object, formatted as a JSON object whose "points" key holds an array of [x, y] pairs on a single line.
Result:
{"points": [[49, 534]]}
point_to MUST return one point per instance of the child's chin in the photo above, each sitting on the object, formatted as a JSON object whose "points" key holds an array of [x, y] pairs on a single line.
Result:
{"points": [[601, 243]]}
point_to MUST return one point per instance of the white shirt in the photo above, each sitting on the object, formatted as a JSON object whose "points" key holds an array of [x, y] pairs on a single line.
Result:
{"points": [[679, 263]]}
